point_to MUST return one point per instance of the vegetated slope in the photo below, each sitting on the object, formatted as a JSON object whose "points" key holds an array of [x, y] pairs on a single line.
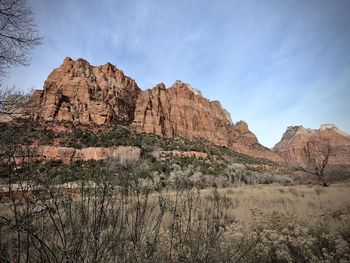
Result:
{"points": [[83, 94], [298, 145], [196, 161]]}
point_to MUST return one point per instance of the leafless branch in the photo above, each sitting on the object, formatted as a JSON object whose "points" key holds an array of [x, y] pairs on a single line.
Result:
{"points": [[318, 156], [18, 34], [12, 102]]}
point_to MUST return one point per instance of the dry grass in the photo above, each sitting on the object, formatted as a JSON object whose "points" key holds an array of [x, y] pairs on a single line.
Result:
{"points": [[265, 223], [308, 203]]}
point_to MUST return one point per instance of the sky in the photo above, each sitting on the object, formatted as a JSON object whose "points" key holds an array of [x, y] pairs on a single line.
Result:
{"points": [[271, 63]]}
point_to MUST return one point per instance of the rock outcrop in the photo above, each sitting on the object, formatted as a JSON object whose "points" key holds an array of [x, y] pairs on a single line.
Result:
{"points": [[69, 154], [162, 155], [300, 145], [80, 93]]}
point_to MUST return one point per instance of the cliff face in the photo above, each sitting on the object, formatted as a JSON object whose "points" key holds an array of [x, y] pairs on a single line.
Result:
{"points": [[298, 145], [80, 93], [181, 111]]}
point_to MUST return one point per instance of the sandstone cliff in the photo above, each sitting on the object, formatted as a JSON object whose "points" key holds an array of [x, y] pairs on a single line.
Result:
{"points": [[298, 143], [182, 111], [179, 111], [80, 93]]}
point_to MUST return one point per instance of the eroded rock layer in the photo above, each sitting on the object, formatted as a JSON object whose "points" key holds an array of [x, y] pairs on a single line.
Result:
{"points": [[69, 154], [299, 145]]}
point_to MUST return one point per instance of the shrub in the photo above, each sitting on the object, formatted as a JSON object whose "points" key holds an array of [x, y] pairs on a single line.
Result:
{"points": [[110, 216]]}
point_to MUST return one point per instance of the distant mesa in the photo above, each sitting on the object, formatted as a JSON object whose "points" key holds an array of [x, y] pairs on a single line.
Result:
{"points": [[80, 93]]}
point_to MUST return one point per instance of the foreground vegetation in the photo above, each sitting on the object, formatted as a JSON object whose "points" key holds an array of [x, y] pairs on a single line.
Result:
{"points": [[113, 215], [226, 207]]}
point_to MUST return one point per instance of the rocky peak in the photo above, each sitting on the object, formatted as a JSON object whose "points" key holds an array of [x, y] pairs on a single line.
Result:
{"points": [[293, 131], [333, 128], [328, 126], [180, 84], [81, 93], [242, 127], [181, 111]]}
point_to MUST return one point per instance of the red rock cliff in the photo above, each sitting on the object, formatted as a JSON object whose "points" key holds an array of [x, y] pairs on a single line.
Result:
{"points": [[182, 111], [80, 93], [298, 143]]}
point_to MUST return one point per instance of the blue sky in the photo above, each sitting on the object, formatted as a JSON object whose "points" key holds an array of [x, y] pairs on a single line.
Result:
{"points": [[272, 63]]}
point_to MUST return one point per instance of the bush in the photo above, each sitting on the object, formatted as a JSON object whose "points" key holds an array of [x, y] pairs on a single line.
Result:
{"points": [[284, 239], [111, 217]]}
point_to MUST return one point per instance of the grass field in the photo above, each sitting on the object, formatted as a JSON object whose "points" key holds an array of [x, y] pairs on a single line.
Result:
{"points": [[268, 223], [309, 203]]}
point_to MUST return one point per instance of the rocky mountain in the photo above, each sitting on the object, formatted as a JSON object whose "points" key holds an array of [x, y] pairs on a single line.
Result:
{"points": [[181, 111], [97, 95], [299, 144], [80, 93]]}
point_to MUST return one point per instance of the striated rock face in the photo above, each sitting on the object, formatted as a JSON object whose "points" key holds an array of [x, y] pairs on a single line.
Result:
{"points": [[80, 93], [69, 154], [298, 142], [182, 111]]}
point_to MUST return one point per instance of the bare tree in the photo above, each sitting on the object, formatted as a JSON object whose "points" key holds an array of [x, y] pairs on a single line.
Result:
{"points": [[12, 103], [318, 155], [18, 34]]}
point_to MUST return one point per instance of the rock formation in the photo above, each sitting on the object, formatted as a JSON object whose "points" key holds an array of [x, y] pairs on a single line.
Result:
{"points": [[181, 111], [80, 93], [162, 155], [69, 154], [298, 143]]}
